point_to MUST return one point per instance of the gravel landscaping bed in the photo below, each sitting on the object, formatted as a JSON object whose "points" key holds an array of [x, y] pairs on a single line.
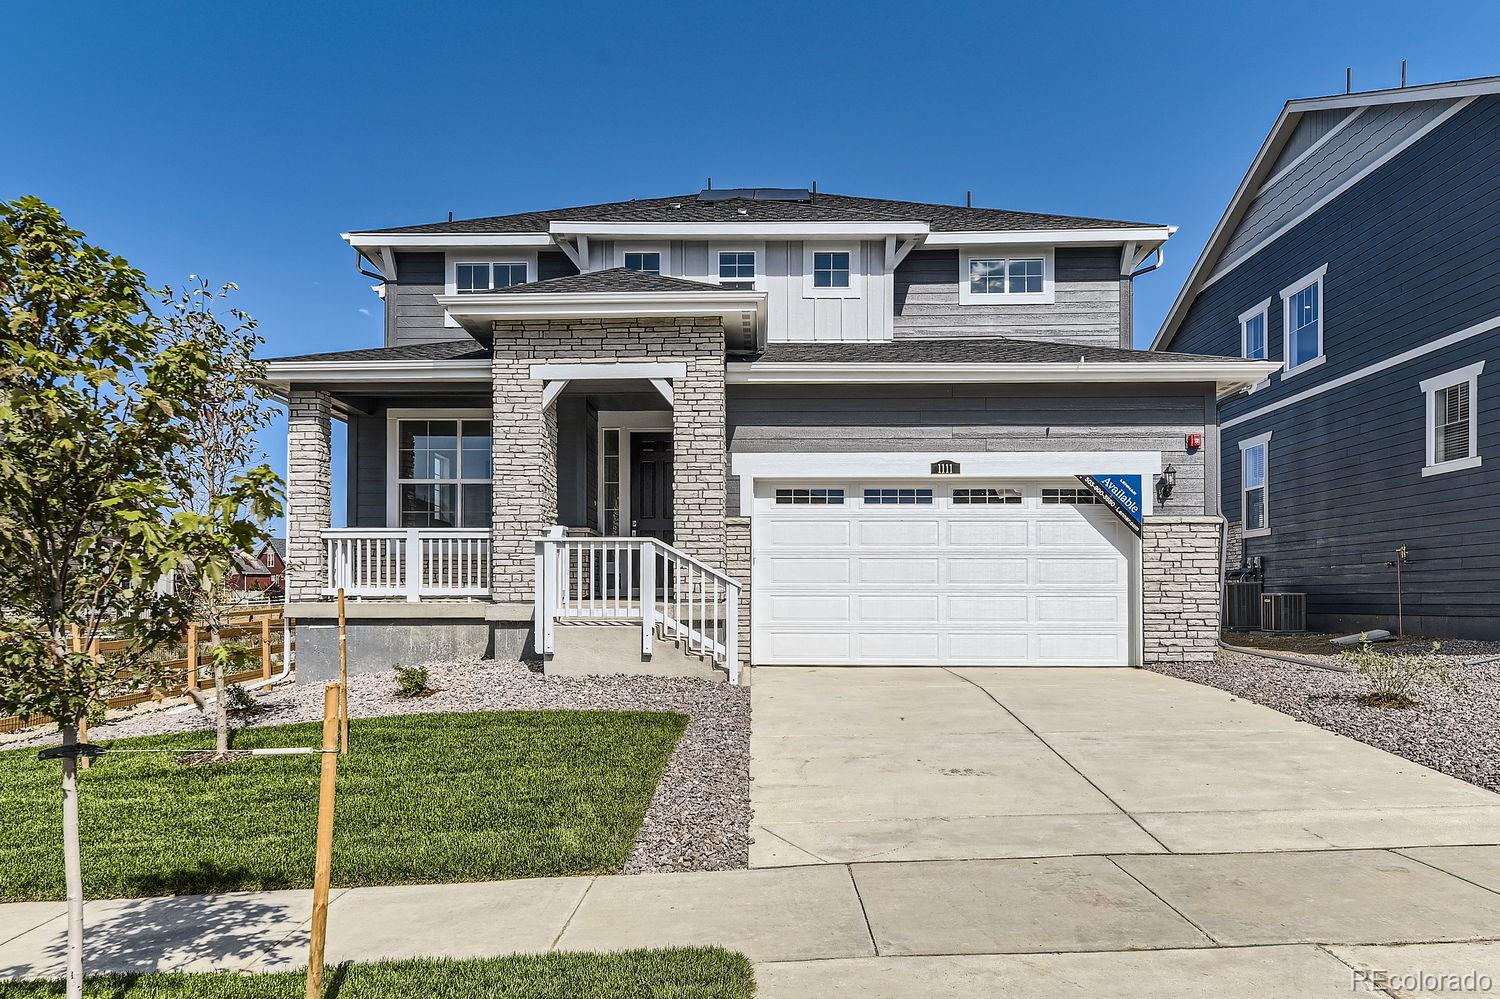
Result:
{"points": [[699, 818], [1454, 729]]}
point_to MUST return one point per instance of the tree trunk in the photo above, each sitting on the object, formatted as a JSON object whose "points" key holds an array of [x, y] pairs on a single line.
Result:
{"points": [[72, 867], [221, 705]]}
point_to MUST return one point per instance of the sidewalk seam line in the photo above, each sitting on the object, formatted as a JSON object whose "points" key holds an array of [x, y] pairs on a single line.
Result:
{"points": [[569, 921], [794, 846], [865, 913], [1067, 762], [32, 929], [1353, 970], [1418, 860], [1154, 894]]}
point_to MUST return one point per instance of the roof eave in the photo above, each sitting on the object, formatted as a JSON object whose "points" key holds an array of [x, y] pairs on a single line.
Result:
{"points": [[475, 313], [1229, 376], [847, 229], [1157, 234]]}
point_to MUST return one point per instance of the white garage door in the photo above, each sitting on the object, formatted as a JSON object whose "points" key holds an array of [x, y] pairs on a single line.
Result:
{"points": [[891, 573]]}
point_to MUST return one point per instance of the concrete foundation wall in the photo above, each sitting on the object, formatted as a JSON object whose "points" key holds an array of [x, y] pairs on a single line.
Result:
{"points": [[377, 644]]}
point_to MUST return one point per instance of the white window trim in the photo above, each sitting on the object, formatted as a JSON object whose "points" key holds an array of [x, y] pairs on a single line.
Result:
{"points": [[856, 269], [393, 418], [1264, 311], [755, 280], [627, 422], [1315, 278], [1430, 387], [1249, 442], [452, 260], [1047, 296], [666, 254]]}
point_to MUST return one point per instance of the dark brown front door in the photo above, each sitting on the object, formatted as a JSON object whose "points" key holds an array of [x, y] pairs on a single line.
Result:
{"points": [[651, 486]]}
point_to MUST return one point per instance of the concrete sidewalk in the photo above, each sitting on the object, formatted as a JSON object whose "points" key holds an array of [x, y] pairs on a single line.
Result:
{"points": [[940, 928]]}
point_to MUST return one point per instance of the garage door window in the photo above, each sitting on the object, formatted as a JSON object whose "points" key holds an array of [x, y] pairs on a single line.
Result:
{"points": [[975, 497], [1072, 497], [810, 497], [898, 497]]}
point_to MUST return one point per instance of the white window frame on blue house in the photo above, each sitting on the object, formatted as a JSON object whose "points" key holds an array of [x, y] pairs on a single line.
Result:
{"points": [[1262, 312], [1262, 441], [1291, 366], [1469, 376], [1005, 255]]}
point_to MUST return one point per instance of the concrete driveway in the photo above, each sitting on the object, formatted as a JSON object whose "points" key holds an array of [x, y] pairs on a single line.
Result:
{"points": [[868, 764]]}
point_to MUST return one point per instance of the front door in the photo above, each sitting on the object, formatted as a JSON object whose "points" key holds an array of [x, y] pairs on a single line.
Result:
{"points": [[651, 486]]}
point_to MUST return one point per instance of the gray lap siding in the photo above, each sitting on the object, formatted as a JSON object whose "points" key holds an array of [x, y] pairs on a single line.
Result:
{"points": [[956, 418]]}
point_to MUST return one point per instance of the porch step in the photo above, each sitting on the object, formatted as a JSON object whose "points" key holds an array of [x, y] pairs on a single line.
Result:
{"points": [[613, 648]]}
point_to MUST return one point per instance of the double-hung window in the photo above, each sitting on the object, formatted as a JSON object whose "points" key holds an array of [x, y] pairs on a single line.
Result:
{"points": [[473, 278], [1254, 326], [645, 261], [737, 269], [443, 473], [1303, 321], [1452, 402], [1255, 506], [1000, 277]]}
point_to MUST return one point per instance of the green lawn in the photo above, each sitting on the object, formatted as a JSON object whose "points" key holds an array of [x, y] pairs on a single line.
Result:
{"points": [[421, 798], [688, 973]]}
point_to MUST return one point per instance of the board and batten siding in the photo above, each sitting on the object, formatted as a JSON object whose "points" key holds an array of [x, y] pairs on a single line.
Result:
{"points": [[1413, 255], [1088, 308], [938, 418]]}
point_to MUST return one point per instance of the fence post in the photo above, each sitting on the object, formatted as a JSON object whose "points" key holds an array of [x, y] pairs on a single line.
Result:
{"points": [[192, 657], [732, 634], [647, 571], [265, 647], [343, 679], [414, 565], [323, 867]]}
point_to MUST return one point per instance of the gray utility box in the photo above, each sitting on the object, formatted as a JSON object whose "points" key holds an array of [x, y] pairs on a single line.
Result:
{"points": [[1242, 604], [1283, 612]]}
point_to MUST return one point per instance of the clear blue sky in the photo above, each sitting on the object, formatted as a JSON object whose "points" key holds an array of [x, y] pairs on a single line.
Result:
{"points": [[237, 141]]}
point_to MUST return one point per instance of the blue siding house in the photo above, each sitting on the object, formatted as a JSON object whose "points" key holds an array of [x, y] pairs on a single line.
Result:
{"points": [[1362, 252]]}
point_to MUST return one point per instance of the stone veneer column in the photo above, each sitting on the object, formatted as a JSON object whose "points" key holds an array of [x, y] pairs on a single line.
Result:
{"points": [[698, 452], [309, 506], [524, 450], [1181, 582], [737, 564]]}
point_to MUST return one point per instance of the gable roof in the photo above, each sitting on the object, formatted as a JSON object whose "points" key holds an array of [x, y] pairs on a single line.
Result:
{"points": [[1267, 162], [819, 207], [612, 280]]}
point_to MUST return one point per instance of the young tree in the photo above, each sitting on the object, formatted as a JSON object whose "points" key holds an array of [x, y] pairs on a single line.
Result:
{"points": [[91, 439], [219, 427]]}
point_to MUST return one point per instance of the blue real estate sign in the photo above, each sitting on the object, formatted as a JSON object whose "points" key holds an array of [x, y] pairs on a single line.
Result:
{"points": [[1121, 493]]}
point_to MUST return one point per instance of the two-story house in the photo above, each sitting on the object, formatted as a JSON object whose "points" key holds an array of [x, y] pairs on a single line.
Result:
{"points": [[1361, 253], [759, 426]]}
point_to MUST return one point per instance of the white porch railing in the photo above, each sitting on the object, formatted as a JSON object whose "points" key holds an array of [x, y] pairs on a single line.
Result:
{"points": [[673, 594], [408, 562]]}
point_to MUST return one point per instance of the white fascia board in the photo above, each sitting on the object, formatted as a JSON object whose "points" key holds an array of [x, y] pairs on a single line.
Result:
{"points": [[827, 465], [1228, 376], [518, 305], [1055, 237], [444, 241], [473, 369], [741, 230], [604, 370]]}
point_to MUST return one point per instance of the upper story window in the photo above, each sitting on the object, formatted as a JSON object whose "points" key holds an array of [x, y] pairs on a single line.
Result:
{"points": [[1452, 402], [442, 473], [1302, 322], [1255, 508], [831, 269], [1253, 330], [646, 261], [737, 269], [996, 276], [469, 278]]}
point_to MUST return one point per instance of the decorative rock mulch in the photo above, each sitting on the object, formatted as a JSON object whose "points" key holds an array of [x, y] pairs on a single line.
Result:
{"points": [[699, 818], [1454, 728]]}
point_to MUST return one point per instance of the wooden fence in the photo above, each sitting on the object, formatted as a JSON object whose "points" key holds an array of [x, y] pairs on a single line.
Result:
{"points": [[261, 631]]}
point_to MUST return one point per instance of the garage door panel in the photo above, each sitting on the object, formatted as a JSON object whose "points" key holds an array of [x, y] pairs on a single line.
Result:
{"points": [[898, 533], [810, 607], [894, 607], [832, 533], [899, 646], [833, 569], [1072, 532], [1075, 569], [989, 647], [1050, 608], [980, 571], [1077, 647], [994, 609], [808, 647], [909, 570], [987, 534]]}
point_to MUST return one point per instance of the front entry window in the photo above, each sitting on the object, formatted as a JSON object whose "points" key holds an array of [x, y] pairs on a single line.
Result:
{"points": [[443, 473]]}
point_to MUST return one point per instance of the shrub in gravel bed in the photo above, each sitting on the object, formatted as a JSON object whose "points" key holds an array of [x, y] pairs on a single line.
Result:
{"points": [[1395, 675]]}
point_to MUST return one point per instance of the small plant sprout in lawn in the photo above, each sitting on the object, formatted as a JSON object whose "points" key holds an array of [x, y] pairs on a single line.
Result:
{"points": [[1396, 676], [411, 681]]}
